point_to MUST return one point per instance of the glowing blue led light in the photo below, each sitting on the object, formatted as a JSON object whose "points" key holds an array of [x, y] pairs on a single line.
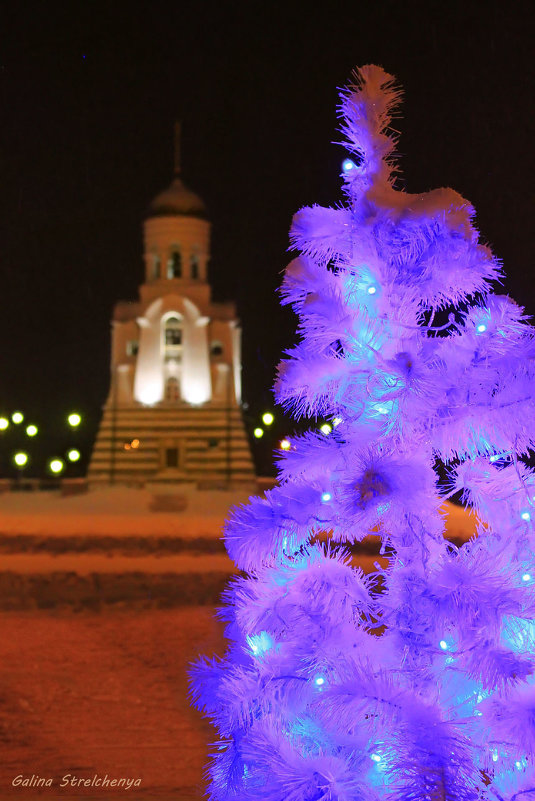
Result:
{"points": [[336, 421], [494, 457], [525, 516], [319, 681], [444, 645], [518, 765], [348, 165], [260, 643], [375, 757], [326, 497], [494, 756], [481, 327], [382, 409], [526, 577], [372, 290]]}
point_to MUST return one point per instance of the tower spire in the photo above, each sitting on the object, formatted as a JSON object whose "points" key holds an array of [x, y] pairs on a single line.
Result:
{"points": [[177, 134]]}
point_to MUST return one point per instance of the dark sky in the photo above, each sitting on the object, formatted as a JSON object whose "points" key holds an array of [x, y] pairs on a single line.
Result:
{"points": [[89, 95]]}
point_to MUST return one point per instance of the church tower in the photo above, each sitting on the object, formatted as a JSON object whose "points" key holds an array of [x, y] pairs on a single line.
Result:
{"points": [[173, 411]]}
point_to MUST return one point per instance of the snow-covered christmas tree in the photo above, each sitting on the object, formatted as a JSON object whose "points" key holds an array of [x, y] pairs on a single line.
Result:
{"points": [[416, 681]]}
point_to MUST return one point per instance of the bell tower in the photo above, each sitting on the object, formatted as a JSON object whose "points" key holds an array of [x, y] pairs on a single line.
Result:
{"points": [[173, 411]]}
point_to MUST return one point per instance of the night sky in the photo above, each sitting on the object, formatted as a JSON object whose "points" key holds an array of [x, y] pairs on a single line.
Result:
{"points": [[89, 96]]}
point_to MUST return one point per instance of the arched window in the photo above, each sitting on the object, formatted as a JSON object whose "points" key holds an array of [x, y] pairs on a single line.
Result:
{"points": [[194, 265], [174, 264], [173, 334], [171, 390], [216, 348]]}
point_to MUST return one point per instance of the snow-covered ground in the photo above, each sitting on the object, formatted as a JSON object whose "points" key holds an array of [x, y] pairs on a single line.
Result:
{"points": [[125, 511], [118, 511]]}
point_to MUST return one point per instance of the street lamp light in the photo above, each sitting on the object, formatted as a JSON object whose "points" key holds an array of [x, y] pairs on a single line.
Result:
{"points": [[56, 466], [21, 459]]}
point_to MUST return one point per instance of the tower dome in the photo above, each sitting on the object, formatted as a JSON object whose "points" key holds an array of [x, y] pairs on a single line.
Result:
{"points": [[177, 201]]}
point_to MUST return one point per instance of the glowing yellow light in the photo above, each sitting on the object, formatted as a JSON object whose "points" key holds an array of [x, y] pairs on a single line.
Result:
{"points": [[31, 430], [127, 446], [285, 444], [3, 423], [74, 419], [336, 421], [267, 418], [326, 428], [17, 417], [134, 443], [20, 459], [56, 465], [73, 455], [258, 432]]}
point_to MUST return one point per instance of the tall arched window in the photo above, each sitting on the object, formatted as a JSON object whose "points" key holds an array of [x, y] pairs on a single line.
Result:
{"points": [[172, 335], [174, 263]]}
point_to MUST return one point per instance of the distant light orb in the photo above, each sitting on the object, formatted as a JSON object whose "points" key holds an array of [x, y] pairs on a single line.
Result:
{"points": [[319, 681], [258, 433], [444, 645], [285, 444], [31, 430], [267, 418], [74, 419], [494, 756], [525, 516], [348, 165], [382, 409], [73, 455], [20, 459], [135, 443], [372, 290], [17, 417], [336, 421], [56, 466], [481, 327], [4, 423], [326, 497], [526, 577], [375, 757], [326, 428]]}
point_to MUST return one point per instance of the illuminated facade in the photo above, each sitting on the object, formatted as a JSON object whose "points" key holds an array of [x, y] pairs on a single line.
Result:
{"points": [[173, 410]]}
